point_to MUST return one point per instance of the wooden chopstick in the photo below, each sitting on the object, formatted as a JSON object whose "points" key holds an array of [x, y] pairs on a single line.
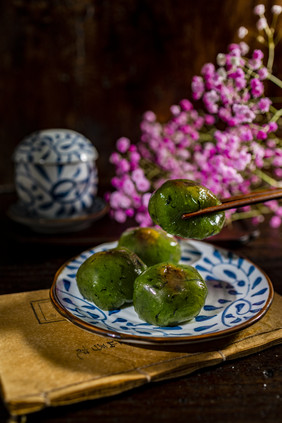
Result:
{"points": [[239, 201]]}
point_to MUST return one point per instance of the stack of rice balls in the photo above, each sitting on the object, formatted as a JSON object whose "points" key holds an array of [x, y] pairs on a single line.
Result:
{"points": [[145, 270]]}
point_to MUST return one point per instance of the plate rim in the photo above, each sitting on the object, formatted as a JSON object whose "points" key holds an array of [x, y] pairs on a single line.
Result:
{"points": [[155, 340]]}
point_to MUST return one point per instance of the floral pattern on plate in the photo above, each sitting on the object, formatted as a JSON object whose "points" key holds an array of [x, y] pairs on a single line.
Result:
{"points": [[239, 294]]}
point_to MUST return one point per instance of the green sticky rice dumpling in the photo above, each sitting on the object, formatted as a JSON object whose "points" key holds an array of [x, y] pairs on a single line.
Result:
{"points": [[152, 245], [167, 294], [107, 278], [179, 196]]}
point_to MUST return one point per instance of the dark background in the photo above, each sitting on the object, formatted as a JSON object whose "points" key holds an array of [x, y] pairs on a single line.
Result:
{"points": [[96, 66]]}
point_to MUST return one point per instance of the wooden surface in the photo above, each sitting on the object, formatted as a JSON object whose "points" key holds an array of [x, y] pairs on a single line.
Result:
{"points": [[246, 390]]}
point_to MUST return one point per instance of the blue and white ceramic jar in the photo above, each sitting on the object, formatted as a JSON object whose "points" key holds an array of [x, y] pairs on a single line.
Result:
{"points": [[55, 173]]}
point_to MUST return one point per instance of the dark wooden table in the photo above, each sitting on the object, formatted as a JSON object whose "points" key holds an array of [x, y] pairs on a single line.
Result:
{"points": [[245, 390]]}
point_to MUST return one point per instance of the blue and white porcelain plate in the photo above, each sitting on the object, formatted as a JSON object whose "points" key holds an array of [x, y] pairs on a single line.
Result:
{"points": [[239, 294]]}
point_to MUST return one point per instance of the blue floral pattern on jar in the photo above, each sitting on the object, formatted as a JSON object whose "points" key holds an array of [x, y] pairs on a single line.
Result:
{"points": [[55, 173]]}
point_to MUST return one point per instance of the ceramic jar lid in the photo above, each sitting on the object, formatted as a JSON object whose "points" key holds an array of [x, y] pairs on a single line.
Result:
{"points": [[55, 146]]}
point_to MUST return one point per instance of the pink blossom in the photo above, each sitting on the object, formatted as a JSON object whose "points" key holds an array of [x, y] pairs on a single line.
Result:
{"points": [[210, 100], [194, 135], [243, 113], [246, 133], [137, 174], [273, 205], [197, 87], [261, 24], [116, 182], [123, 144], [271, 143], [276, 9], [175, 109], [198, 123], [145, 199], [259, 9], [120, 215], [279, 211], [262, 73], [123, 166], [234, 49], [233, 121], [268, 153], [143, 219], [140, 180], [245, 96], [239, 73], [224, 113], [134, 157], [275, 221], [261, 135], [240, 83], [149, 116], [264, 104], [244, 48], [277, 161], [143, 185], [209, 120], [242, 32], [278, 173], [221, 59], [128, 187], [272, 126], [118, 199], [257, 55], [256, 87], [129, 212], [208, 70], [136, 200], [115, 158], [186, 105]]}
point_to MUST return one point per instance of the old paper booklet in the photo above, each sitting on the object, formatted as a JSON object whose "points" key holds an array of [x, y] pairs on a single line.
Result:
{"points": [[47, 361]]}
